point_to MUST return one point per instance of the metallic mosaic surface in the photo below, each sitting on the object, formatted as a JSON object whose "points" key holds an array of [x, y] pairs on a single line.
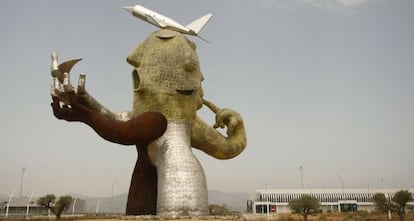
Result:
{"points": [[182, 188]]}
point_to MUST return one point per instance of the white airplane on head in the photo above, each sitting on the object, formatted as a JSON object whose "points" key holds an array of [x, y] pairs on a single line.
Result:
{"points": [[167, 23]]}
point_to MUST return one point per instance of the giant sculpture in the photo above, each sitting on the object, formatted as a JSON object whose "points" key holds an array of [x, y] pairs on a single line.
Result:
{"points": [[168, 180]]}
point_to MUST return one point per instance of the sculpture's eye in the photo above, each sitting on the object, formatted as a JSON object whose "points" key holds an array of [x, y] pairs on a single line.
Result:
{"points": [[190, 65], [185, 92]]}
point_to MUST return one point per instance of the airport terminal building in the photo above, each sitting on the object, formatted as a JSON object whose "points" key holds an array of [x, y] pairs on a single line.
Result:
{"points": [[331, 200], [27, 206]]}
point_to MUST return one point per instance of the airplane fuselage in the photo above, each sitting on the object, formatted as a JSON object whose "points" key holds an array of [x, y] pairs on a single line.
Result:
{"points": [[159, 20]]}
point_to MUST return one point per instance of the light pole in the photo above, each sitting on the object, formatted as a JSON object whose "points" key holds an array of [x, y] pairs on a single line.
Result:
{"points": [[8, 202], [301, 175], [28, 205], [112, 197], [342, 183], [74, 203], [343, 191], [97, 206], [383, 187], [21, 181]]}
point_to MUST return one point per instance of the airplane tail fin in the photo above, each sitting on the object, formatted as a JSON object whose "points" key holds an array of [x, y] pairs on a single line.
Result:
{"points": [[198, 24]]}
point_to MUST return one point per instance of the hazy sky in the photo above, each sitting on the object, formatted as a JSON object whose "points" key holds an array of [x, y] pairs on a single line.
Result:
{"points": [[326, 84]]}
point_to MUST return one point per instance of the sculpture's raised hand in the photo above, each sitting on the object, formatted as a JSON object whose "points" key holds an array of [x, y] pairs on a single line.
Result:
{"points": [[61, 85], [229, 118], [225, 118], [206, 138], [73, 111], [141, 129]]}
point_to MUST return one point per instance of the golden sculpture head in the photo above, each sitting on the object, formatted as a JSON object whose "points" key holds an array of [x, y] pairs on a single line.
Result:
{"points": [[167, 76]]}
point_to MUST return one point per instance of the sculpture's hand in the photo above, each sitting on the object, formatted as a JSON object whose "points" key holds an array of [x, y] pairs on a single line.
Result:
{"points": [[225, 118], [58, 89], [61, 85], [213, 142], [72, 110], [228, 118], [61, 79]]}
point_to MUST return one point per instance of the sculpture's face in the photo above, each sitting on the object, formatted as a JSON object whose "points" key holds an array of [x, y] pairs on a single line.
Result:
{"points": [[167, 76]]}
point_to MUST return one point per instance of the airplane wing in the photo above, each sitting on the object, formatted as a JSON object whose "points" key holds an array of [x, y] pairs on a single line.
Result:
{"points": [[155, 21]]}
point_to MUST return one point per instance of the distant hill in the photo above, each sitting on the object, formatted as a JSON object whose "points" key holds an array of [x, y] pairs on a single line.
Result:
{"points": [[234, 201]]}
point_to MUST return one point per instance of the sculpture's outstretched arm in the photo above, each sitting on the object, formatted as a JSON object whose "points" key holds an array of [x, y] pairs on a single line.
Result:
{"points": [[212, 142], [139, 130], [60, 74]]}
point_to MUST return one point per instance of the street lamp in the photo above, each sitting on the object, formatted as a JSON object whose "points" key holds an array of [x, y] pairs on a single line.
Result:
{"points": [[383, 187], [8, 202], [28, 205], [112, 197], [97, 206], [301, 175], [21, 181], [342, 183], [74, 203]]}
